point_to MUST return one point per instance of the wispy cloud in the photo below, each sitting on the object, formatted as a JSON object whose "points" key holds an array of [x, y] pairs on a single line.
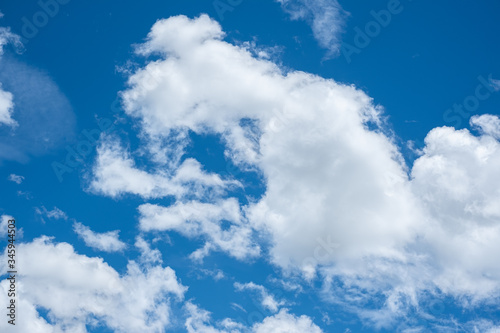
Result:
{"points": [[55, 213], [267, 300], [495, 84], [326, 18], [15, 178], [148, 255]]}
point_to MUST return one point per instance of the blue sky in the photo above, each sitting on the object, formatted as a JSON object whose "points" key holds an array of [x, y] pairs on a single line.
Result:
{"points": [[251, 166]]}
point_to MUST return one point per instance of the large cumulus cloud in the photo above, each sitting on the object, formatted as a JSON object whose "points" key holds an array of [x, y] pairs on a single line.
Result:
{"points": [[331, 169]]}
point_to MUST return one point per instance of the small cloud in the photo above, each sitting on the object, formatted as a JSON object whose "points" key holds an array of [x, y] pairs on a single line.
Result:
{"points": [[201, 253], [15, 178], [326, 18], [54, 214], [218, 275], [267, 300], [237, 306], [26, 195], [215, 274], [495, 84], [107, 242], [287, 285], [148, 256], [327, 320], [286, 322]]}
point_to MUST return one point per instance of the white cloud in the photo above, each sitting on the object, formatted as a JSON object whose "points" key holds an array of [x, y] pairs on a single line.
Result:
{"points": [[341, 171], [148, 255], [115, 174], [6, 108], [215, 274], [338, 199], [55, 213], [196, 219], [199, 321], [267, 300], [487, 124], [483, 326], [8, 37], [452, 325], [25, 194], [138, 301], [288, 284], [326, 18], [107, 242], [457, 180], [15, 178], [283, 322]]}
